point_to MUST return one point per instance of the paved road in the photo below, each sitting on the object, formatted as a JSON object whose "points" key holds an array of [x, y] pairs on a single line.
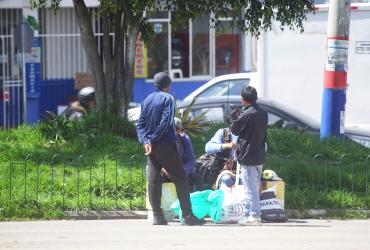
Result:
{"points": [[140, 234]]}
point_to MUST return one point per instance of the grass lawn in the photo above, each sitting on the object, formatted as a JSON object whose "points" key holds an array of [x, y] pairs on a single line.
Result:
{"points": [[104, 179]]}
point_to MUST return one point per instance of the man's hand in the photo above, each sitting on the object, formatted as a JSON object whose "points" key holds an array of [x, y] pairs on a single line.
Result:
{"points": [[148, 149], [230, 145]]}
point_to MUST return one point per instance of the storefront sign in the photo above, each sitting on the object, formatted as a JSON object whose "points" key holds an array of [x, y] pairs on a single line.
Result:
{"points": [[337, 54], [6, 96], [363, 47], [33, 68], [141, 63], [158, 28]]}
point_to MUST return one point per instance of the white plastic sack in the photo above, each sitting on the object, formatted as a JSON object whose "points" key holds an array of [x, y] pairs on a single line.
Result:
{"points": [[233, 208]]}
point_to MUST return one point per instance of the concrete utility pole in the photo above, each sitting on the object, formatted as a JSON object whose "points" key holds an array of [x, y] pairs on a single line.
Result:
{"points": [[335, 79]]}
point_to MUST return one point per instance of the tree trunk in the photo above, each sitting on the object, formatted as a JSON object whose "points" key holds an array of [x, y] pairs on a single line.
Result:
{"points": [[118, 56], [132, 30], [108, 66], [129, 64], [113, 71], [91, 50]]}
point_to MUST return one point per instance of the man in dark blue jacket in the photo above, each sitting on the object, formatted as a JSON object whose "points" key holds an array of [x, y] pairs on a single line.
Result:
{"points": [[156, 131]]}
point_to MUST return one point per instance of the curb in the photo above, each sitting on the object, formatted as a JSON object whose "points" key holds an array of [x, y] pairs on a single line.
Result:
{"points": [[325, 213], [105, 215], [291, 214]]}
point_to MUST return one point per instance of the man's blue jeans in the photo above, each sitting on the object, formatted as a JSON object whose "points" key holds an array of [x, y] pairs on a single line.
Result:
{"points": [[250, 176]]}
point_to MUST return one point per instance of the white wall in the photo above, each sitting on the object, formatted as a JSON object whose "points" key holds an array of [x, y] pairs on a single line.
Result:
{"points": [[295, 67], [13, 4], [63, 52], [26, 3], [63, 55], [358, 94], [89, 3]]}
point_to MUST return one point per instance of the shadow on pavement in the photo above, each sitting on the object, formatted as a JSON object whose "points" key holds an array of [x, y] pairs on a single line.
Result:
{"points": [[289, 223]]}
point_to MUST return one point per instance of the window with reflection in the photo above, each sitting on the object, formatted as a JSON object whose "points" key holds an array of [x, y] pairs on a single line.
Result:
{"points": [[180, 50], [158, 49], [232, 87], [227, 48], [200, 48], [214, 114]]}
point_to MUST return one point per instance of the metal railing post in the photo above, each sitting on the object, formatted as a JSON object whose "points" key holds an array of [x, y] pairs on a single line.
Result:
{"points": [[104, 177], [52, 176], [352, 184], [25, 175], [10, 180], [90, 184], [315, 158], [78, 179], [286, 170], [143, 184], [367, 183], [340, 173], [132, 158], [37, 180], [63, 184], [8, 159], [340, 170], [116, 187]]}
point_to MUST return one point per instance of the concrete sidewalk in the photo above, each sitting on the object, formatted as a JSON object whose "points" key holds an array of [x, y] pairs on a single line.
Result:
{"points": [[140, 234]]}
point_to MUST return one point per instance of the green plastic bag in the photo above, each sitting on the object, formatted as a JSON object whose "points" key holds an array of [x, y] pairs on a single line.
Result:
{"points": [[204, 203]]}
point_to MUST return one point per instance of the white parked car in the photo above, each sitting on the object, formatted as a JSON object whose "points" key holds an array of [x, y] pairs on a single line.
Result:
{"points": [[225, 85]]}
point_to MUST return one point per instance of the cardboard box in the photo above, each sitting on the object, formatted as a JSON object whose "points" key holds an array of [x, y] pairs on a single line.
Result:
{"points": [[83, 80], [280, 190], [169, 195]]}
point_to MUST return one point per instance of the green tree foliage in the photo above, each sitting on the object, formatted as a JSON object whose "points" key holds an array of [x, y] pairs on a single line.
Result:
{"points": [[251, 16], [113, 67]]}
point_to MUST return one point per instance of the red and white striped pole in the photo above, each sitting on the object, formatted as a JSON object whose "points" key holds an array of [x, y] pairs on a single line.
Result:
{"points": [[335, 79]]}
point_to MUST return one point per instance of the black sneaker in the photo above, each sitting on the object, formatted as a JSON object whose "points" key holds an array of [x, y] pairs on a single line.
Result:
{"points": [[191, 220], [159, 220]]}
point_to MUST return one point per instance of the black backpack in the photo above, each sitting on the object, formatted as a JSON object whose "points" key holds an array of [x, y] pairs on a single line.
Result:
{"points": [[210, 166]]}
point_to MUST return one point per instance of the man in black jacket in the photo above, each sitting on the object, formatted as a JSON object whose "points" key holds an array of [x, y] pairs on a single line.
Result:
{"points": [[251, 129]]}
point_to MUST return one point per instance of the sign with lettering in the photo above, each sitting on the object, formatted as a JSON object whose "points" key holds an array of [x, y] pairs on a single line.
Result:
{"points": [[6, 96], [363, 47], [141, 59], [33, 69]]}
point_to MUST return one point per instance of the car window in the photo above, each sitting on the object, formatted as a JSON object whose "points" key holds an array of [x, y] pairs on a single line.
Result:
{"points": [[214, 114], [231, 87], [273, 119], [276, 121]]}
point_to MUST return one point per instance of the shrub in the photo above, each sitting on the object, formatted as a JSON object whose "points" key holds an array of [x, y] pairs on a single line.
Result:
{"points": [[59, 129]]}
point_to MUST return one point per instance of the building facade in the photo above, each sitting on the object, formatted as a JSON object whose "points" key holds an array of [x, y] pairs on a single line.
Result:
{"points": [[192, 55]]}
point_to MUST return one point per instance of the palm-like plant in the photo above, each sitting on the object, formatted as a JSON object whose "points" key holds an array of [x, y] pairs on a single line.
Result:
{"points": [[193, 126], [55, 128]]}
